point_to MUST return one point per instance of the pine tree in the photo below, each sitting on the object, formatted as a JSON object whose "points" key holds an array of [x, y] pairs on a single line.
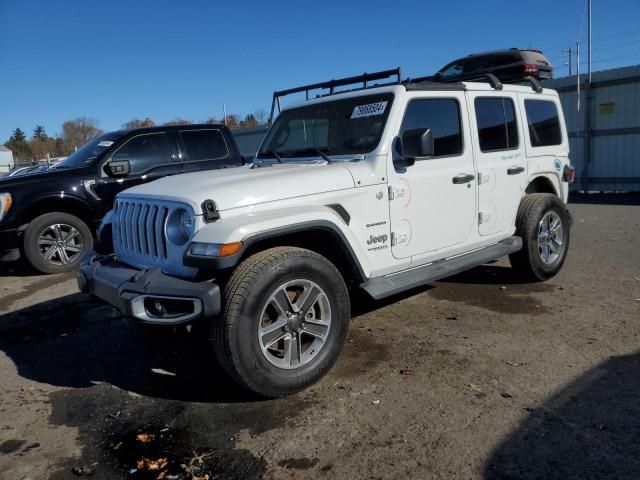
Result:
{"points": [[39, 134]]}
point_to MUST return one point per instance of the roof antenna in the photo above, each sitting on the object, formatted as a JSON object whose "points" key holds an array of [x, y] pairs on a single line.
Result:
{"points": [[530, 42]]}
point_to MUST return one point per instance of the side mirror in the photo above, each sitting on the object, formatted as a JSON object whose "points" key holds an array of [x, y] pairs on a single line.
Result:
{"points": [[117, 168], [417, 143]]}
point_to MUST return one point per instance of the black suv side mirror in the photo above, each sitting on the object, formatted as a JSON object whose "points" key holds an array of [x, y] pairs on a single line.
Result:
{"points": [[416, 144], [117, 168]]}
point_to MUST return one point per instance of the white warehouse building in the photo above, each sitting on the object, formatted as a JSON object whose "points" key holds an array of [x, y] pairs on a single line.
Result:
{"points": [[6, 160], [607, 157]]}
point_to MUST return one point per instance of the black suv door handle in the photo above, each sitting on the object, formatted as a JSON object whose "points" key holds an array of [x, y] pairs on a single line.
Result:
{"points": [[463, 178], [515, 170]]}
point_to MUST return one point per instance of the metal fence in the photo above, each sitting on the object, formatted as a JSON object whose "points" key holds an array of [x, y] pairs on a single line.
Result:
{"points": [[607, 157]]}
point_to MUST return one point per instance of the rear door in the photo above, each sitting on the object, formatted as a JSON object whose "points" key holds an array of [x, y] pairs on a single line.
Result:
{"points": [[204, 149], [500, 158], [433, 203]]}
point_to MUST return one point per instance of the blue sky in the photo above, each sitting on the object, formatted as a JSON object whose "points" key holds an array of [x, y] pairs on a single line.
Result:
{"points": [[163, 59]]}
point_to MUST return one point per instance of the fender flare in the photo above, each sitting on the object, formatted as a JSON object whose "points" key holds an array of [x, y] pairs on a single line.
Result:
{"points": [[224, 263]]}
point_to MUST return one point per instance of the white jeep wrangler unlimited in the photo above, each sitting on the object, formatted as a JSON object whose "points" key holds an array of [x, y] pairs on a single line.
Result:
{"points": [[382, 188]]}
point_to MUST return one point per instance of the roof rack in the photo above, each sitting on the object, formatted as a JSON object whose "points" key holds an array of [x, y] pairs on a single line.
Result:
{"points": [[364, 79], [490, 78], [535, 84]]}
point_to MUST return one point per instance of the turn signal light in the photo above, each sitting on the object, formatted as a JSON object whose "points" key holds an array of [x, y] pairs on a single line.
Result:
{"points": [[228, 249], [569, 174]]}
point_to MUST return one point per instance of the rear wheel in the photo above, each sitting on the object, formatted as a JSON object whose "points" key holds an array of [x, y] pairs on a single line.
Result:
{"points": [[285, 320], [57, 242], [543, 224]]}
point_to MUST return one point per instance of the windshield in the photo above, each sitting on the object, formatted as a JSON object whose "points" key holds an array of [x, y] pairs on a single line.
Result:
{"points": [[86, 155], [341, 127]]}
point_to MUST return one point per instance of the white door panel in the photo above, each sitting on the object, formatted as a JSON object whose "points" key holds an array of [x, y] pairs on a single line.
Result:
{"points": [[428, 210], [500, 159]]}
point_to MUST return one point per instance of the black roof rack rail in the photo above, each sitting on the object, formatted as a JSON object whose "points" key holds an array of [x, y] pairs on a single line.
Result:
{"points": [[365, 78], [490, 78], [535, 84]]}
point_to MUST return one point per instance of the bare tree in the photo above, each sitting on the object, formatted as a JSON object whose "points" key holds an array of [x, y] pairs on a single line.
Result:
{"points": [[261, 116], [137, 123], [178, 121], [212, 120], [79, 131], [232, 121]]}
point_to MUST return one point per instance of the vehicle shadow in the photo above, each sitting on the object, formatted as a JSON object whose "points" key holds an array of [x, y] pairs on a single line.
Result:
{"points": [[78, 342], [630, 198], [589, 429], [488, 274], [18, 268]]}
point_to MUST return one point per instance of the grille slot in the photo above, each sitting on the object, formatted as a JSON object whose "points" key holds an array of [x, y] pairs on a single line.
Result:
{"points": [[138, 231]]}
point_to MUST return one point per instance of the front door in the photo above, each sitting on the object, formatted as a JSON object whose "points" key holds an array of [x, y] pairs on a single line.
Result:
{"points": [[433, 202], [500, 160], [150, 155]]}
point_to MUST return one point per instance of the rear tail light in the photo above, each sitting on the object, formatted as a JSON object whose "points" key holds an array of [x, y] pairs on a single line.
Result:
{"points": [[569, 174], [530, 68]]}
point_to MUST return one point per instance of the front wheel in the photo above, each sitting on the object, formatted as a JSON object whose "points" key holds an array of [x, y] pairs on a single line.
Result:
{"points": [[543, 224], [284, 322], [57, 242]]}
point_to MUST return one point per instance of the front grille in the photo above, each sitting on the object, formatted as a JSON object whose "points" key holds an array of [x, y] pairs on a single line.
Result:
{"points": [[138, 231]]}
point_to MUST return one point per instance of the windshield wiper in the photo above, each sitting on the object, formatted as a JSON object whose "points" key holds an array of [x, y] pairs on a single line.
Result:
{"points": [[322, 154], [272, 153]]}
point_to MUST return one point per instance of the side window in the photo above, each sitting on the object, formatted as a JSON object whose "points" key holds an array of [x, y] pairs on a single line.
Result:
{"points": [[452, 70], [204, 144], [544, 123], [442, 116], [145, 152], [496, 119]]}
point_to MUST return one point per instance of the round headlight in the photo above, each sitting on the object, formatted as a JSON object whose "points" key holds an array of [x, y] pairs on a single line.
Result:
{"points": [[180, 226]]}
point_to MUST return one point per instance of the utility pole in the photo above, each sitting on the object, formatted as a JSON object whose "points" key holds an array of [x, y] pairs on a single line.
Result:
{"points": [[570, 53], [587, 110]]}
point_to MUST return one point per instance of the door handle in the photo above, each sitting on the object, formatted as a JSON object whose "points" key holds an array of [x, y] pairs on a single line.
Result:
{"points": [[515, 170], [463, 178]]}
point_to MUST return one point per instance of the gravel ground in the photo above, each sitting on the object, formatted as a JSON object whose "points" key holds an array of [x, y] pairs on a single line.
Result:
{"points": [[478, 376]]}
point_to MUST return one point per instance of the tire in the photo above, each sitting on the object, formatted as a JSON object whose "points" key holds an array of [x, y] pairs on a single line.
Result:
{"points": [[47, 245], [542, 255], [252, 299]]}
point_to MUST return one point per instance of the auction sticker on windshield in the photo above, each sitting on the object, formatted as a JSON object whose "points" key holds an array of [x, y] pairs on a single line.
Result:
{"points": [[369, 110], [105, 143]]}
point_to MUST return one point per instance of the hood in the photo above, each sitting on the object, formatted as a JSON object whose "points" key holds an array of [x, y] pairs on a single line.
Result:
{"points": [[244, 186], [42, 177]]}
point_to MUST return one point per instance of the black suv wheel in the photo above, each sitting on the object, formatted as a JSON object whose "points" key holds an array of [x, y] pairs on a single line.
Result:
{"points": [[57, 242], [284, 321]]}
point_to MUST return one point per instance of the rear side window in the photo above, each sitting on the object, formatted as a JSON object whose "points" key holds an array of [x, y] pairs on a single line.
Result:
{"points": [[496, 119], [442, 116], [145, 152], [204, 144], [544, 123]]}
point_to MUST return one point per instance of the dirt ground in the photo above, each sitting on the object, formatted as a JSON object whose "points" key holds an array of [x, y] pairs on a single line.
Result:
{"points": [[477, 376]]}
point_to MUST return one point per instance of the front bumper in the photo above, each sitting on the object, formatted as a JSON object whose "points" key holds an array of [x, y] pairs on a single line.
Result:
{"points": [[148, 296], [9, 245]]}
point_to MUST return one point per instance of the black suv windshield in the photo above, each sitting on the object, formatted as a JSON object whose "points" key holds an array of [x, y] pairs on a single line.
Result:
{"points": [[350, 126], [87, 154]]}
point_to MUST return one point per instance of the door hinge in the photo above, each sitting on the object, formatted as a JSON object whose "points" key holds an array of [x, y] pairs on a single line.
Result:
{"points": [[399, 237], [483, 217], [396, 192], [483, 178]]}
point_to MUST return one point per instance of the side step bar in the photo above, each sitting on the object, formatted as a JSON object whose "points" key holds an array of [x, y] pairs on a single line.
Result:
{"points": [[381, 287]]}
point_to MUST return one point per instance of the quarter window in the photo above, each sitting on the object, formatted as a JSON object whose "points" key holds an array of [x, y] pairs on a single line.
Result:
{"points": [[442, 116], [544, 123], [204, 144], [145, 152], [496, 119]]}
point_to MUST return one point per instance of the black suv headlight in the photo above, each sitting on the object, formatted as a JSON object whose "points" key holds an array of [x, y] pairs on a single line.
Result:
{"points": [[5, 204]]}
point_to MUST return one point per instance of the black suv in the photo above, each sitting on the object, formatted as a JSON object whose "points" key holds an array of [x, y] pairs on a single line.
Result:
{"points": [[49, 217], [507, 65]]}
